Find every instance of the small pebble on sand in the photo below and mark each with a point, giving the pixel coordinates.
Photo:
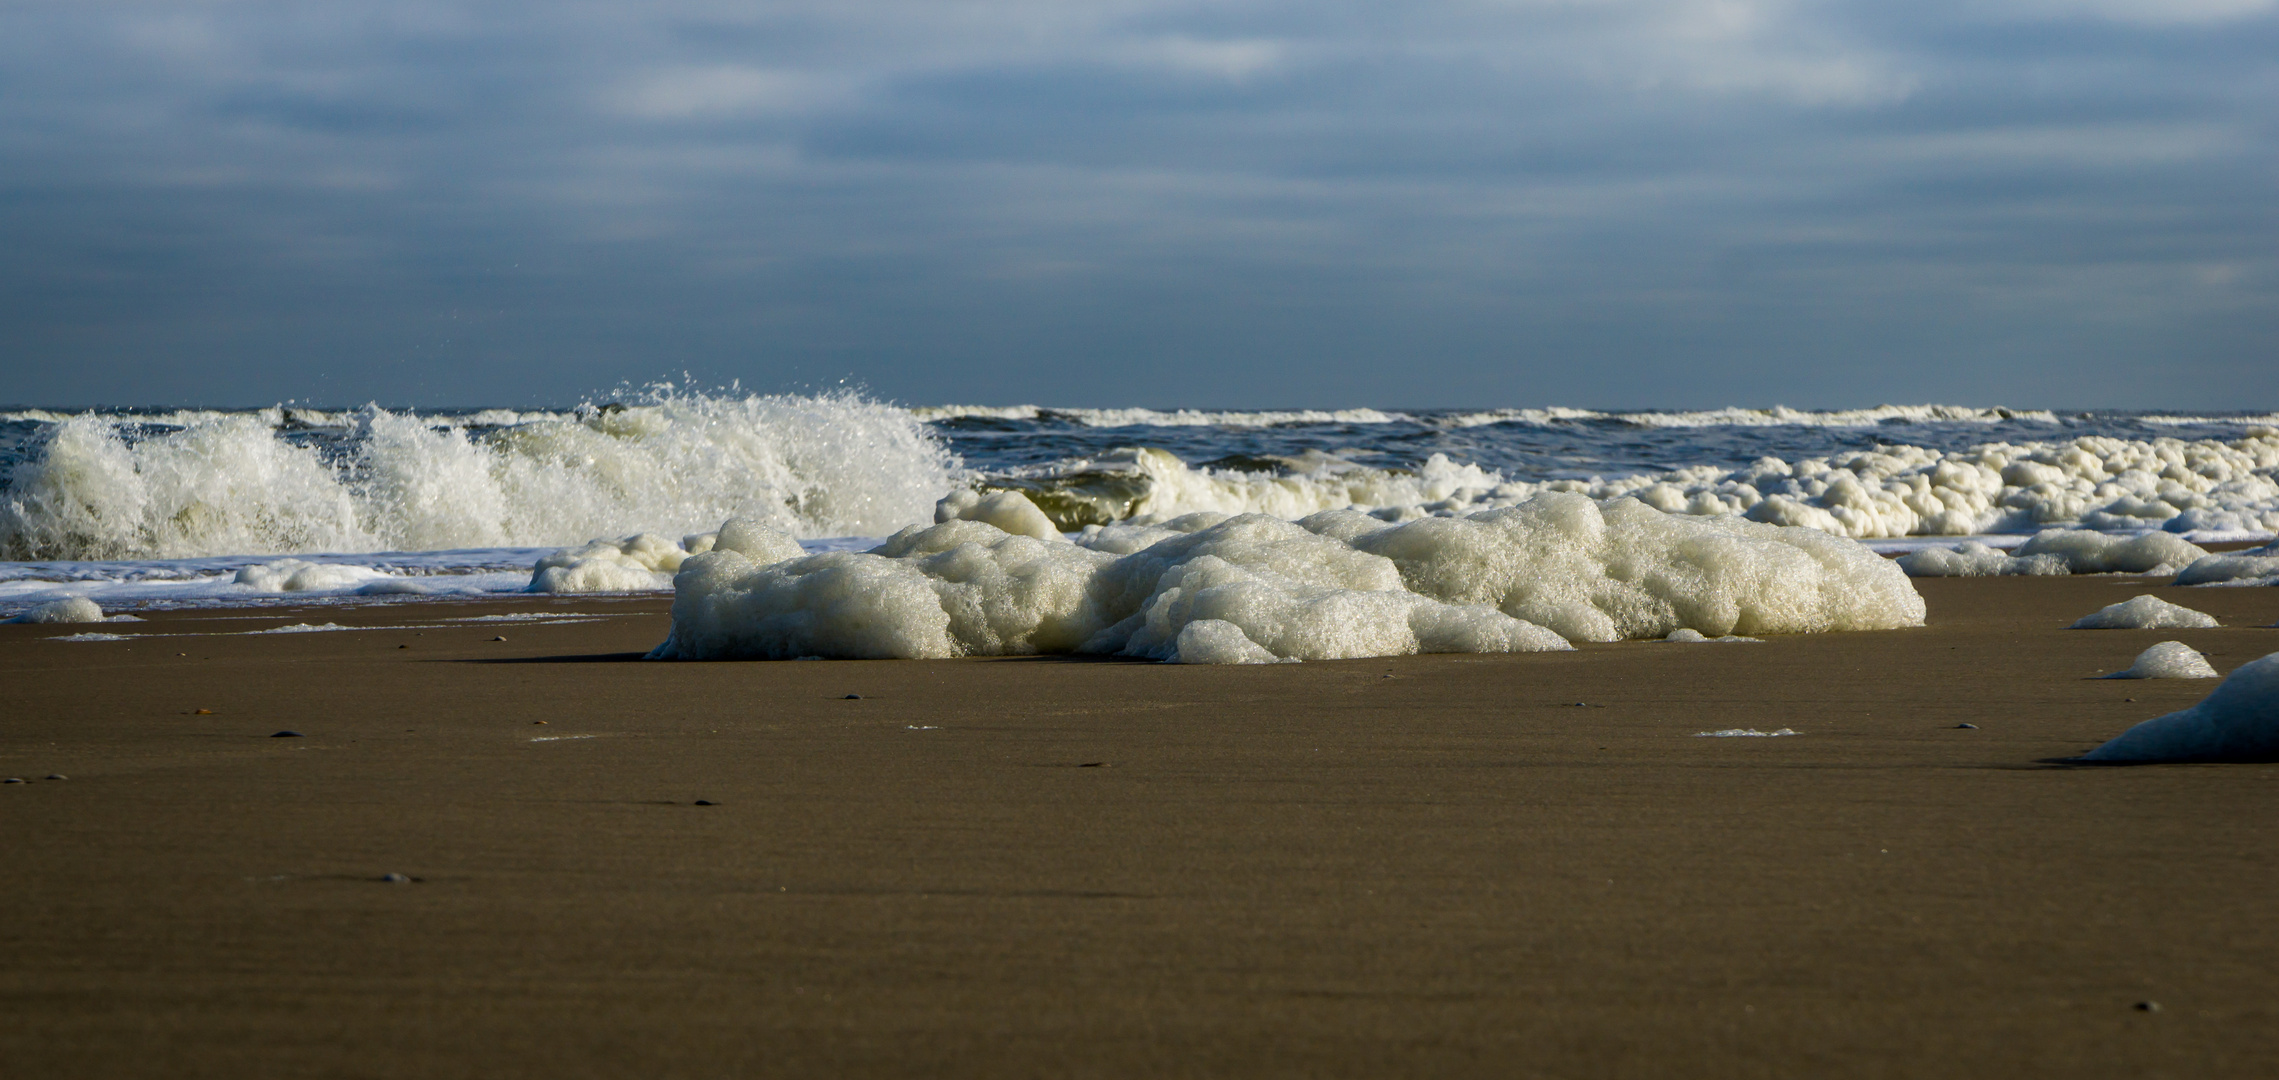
(396, 879)
(1967, 727)
(57, 776)
(286, 735)
(852, 697)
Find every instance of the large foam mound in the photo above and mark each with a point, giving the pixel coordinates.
(2238, 721)
(70, 609)
(1250, 588)
(2167, 660)
(1620, 569)
(1973, 559)
(2086, 551)
(2145, 613)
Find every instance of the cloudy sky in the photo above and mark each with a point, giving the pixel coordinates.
(1615, 203)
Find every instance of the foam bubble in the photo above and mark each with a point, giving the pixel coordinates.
(2146, 612)
(2238, 721)
(2167, 660)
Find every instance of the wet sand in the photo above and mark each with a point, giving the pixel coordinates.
(1424, 866)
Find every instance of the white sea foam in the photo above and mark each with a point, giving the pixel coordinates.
(1008, 510)
(2094, 482)
(70, 609)
(2089, 552)
(1974, 559)
(1745, 733)
(2238, 721)
(2058, 551)
(1777, 416)
(2146, 612)
(2259, 566)
(92, 636)
(297, 575)
(1338, 584)
(1686, 635)
(228, 483)
(2167, 660)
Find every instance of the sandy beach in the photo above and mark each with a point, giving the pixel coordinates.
(1523, 865)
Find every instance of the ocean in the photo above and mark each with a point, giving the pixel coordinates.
(193, 506)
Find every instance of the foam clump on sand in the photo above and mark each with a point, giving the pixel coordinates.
(1973, 559)
(1690, 636)
(643, 563)
(2238, 721)
(2058, 551)
(300, 575)
(2259, 566)
(2145, 613)
(2167, 660)
(2087, 551)
(1211, 588)
(70, 609)
(647, 562)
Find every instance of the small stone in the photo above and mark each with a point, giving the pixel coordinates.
(852, 697)
(2148, 1006)
(396, 879)
(201, 712)
(286, 735)
(403, 646)
(13, 780)
(57, 776)
(706, 802)
(1967, 727)
(499, 638)
(539, 722)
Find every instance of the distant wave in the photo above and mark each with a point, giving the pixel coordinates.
(1777, 416)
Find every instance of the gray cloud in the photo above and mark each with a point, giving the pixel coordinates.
(2038, 202)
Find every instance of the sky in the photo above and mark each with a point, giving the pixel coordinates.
(1617, 204)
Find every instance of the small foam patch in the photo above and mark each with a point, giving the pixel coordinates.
(2167, 660)
(2146, 612)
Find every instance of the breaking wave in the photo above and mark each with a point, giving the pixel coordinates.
(196, 483)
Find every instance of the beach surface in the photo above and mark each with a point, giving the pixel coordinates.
(1523, 865)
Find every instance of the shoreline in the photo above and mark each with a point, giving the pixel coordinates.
(1005, 866)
